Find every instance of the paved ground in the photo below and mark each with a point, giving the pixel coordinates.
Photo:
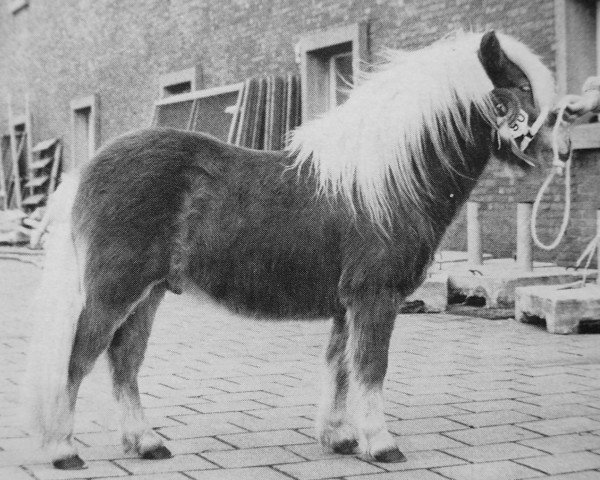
(235, 399)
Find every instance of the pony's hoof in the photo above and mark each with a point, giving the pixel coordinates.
(345, 447)
(159, 453)
(70, 463)
(390, 456)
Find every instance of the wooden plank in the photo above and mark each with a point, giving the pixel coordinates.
(15, 156)
(247, 127)
(8, 166)
(44, 145)
(243, 113)
(37, 181)
(297, 101)
(236, 116)
(269, 114)
(33, 200)
(192, 120)
(11, 187)
(57, 159)
(259, 115)
(41, 163)
(288, 104)
(278, 114)
(29, 133)
(294, 109)
(3, 191)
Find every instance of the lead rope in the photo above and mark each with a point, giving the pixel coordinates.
(558, 167)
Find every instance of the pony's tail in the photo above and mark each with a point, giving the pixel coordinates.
(56, 311)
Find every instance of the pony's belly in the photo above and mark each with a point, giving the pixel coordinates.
(293, 294)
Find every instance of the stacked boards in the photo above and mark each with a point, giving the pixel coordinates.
(267, 110)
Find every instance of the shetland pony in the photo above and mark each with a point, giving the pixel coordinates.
(343, 224)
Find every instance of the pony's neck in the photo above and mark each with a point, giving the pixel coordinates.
(452, 182)
(475, 157)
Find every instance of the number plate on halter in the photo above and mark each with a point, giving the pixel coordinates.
(520, 127)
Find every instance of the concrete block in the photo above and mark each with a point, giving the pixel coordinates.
(496, 280)
(562, 308)
(433, 293)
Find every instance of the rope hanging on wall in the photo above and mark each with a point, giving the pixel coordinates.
(558, 168)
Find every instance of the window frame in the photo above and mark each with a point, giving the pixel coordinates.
(178, 77)
(314, 60)
(194, 96)
(91, 102)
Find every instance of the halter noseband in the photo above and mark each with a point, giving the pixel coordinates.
(529, 131)
(511, 115)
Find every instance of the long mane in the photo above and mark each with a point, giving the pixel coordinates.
(371, 149)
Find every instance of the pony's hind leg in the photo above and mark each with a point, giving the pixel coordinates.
(97, 325)
(95, 329)
(334, 429)
(125, 354)
(371, 321)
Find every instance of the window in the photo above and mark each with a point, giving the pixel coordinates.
(177, 83)
(85, 129)
(329, 61)
(340, 77)
(209, 110)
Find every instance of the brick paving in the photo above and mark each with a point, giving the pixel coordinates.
(235, 398)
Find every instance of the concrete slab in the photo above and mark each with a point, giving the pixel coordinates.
(433, 293)
(562, 308)
(497, 279)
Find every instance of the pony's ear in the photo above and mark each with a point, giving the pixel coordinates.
(492, 57)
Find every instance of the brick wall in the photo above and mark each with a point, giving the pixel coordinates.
(61, 50)
(65, 49)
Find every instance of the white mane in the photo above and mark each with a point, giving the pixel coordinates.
(375, 139)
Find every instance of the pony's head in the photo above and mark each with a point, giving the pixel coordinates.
(522, 98)
(424, 119)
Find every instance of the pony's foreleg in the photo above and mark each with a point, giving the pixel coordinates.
(371, 321)
(334, 429)
(125, 354)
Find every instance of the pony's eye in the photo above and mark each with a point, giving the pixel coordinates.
(525, 88)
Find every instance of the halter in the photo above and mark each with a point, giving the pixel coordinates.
(521, 128)
(515, 122)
